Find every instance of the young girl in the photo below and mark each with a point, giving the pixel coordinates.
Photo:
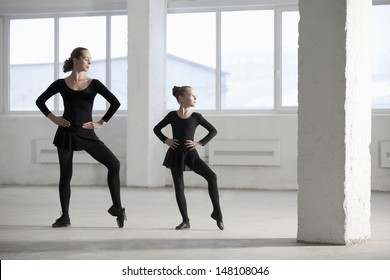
(182, 154)
(76, 130)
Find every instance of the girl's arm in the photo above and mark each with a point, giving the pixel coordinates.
(212, 131)
(173, 143)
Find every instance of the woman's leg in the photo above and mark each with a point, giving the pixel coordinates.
(65, 158)
(178, 182)
(66, 169)
(103, 154)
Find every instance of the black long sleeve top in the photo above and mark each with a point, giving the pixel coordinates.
(78, 105)
(183, 130)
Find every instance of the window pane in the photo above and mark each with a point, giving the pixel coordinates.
(247, 54)
(380, 57)
(191, 60)
(88, 32)
(290, 22)
(31, 61)
(119, 59)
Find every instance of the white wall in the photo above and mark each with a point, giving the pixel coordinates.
(18, 162)
(18, 135)
(266, 127)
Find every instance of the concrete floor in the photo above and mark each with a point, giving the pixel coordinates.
(258, 225)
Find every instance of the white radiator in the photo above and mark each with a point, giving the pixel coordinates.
(245, 152)
(46, 152)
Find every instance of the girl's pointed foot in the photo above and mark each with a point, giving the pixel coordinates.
(218, 218)
(62, 221)
(184, 225)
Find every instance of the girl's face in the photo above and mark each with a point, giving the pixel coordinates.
(188, 99)
(83, 63)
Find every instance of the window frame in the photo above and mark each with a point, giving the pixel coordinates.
(5, 100)
(279, 7)
(172, 7)
(380, 111)
(278, 10)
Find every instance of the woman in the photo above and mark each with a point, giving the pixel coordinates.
(182, 154)
(76, 130)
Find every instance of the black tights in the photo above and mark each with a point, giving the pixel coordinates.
(201, 168)
(102, 154)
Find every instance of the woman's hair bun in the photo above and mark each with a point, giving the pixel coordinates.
(176, 91)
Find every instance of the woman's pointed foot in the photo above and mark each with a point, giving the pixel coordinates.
(184, 225)
(218, 218)
(120, 214)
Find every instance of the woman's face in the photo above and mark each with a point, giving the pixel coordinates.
(83, 63)
(188, 99)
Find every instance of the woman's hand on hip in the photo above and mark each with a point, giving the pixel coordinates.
(191, 145)
(60, 121)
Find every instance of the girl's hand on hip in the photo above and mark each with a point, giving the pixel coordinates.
(172, 143)
(93, 125)
(191, 145)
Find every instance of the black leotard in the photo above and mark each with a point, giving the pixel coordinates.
(77, 110)
(183, 129)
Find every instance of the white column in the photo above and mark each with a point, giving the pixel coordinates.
(146, 86)
(334, 121)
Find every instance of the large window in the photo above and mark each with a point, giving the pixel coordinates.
(237, 60)
(290, 20)
(37, 56)
(228, 57)
(251, 46)
(31, 61)
(118, 77)
(247, 56)
(381, 57)
(191, 59)
(94, 39)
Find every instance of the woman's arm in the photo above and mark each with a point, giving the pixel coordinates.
(114, 102)
(41, 104)
(49, 92)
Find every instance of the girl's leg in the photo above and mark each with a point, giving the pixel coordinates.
(202, 169)
(178, 182)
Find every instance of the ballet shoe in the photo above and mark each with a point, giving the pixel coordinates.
(119, 213)
(219, 220)
(62, 221)
(184, 225)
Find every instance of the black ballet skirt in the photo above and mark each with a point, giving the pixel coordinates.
(77, 110)
(75, 138)
(180, 158)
